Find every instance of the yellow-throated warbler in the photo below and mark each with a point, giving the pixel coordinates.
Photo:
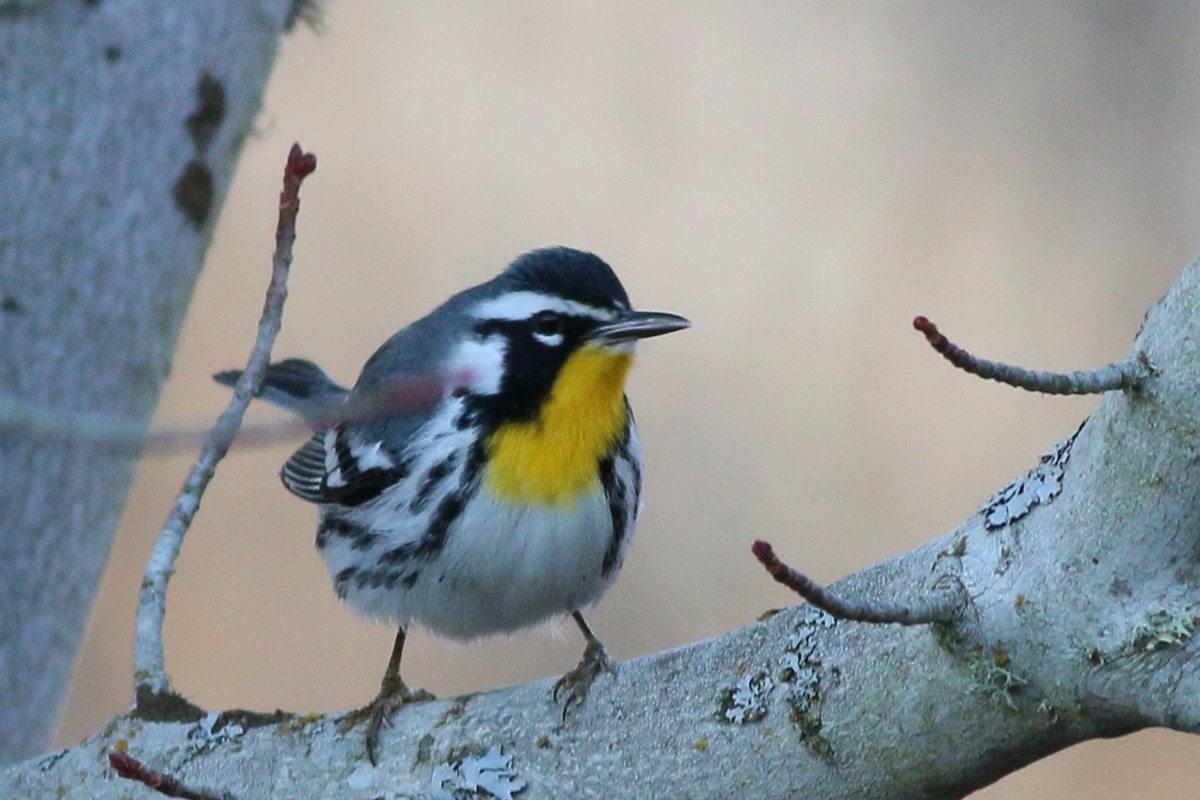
(511, 495)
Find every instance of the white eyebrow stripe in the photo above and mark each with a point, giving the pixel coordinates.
(523, 305)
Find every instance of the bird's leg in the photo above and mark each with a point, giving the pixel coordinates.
(393, 694)
(576, 683)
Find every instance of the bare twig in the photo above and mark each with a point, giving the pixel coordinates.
(53, 425)
(941, 606)
(130, 768)
(1128, 374)
(149, 666)
(121, 435)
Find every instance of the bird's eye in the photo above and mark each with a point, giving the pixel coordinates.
(548, 324)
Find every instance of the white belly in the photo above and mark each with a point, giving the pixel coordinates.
(500, 567)
(509, 567)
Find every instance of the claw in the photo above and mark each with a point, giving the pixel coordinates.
(576, 683)
(378, 711)
(393, 695)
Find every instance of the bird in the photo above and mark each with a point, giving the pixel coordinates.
(484, 473)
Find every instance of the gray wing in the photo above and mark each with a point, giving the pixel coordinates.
(415, 356)
(364, 455)
(330, 468)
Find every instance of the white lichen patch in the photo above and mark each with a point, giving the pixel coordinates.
(801, 646)
(798, 669)
(747, 701)
(212, 730)
(801, 672)
(799, 665)
(1162, 629)
(805, 688)
(1037, 487)
(489, 775)
(999, 683)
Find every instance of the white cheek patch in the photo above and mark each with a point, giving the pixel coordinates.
(477, 365)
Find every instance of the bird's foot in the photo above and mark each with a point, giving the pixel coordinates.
(574, 686)
(393, 695)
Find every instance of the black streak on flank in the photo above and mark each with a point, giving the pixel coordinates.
(617, 492)
(377, 579)
(341, 580)
(452, 505)
(447, 511)
(203, 123)
(434, 538)
(194, 192)
(359, 537)
(636, 474)
(614, 492)
(433, 478)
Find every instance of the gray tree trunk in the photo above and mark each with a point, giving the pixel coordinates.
(120, 126)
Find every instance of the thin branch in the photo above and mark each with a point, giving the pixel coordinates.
(121, 435)
(1128, 374)
(941, 606)
(149, 665)
(53, 425)
(130, 768)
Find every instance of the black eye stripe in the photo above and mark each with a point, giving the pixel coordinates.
(548, 323)
(544, 324)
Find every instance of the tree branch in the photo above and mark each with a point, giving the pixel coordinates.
(130, 768)
(940, 605)
(1081, 624)
(152, 681)
(1128, 374)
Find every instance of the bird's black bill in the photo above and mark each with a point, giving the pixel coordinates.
(637, 325)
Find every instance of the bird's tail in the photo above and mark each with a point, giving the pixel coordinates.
(298, 386)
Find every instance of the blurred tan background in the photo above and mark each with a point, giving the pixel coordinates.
(800, 179)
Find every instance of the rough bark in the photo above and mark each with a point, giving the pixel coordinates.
(120, 126)
(1084, 586)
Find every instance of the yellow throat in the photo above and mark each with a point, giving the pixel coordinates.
(552, 459)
